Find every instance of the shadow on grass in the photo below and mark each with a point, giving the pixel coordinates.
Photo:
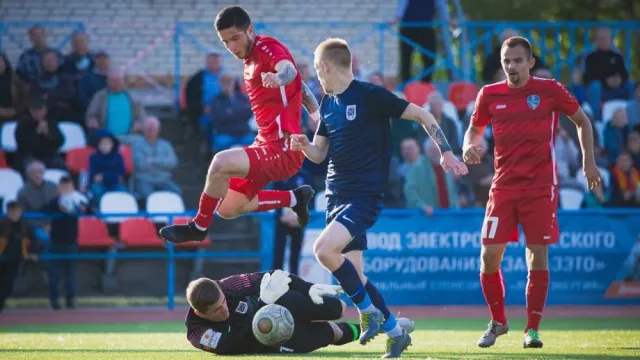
(539, 354)
(479, 325)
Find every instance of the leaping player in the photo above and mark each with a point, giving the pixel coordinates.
(236, 177)
(524, 113)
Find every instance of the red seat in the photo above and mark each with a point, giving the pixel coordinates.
(191, 244)
(3, 161)
(417, 92)
(462, 93)
(78, 159)
(92, 232)
(127, 155)
(139, 232)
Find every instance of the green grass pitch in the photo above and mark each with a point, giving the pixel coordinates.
(579, 338)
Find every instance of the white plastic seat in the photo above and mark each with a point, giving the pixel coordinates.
(571, 199)
(10, 183)
(164, 202)
(320, 201)
(118, 202)
(8, 138)
(74, 136)
(54, 175)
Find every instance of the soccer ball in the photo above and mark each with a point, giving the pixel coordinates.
(273, 325)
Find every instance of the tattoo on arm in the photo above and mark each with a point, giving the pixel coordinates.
(438, 136)
(309, 100)
(287, 74)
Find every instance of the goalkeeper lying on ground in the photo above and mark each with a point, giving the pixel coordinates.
(221, 313)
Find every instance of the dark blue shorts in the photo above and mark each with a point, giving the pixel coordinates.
(356, 214)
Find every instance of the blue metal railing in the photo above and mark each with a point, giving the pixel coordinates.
(479, 40)
(267, 233)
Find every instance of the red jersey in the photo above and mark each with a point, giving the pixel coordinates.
(524, 122)
(277, 110)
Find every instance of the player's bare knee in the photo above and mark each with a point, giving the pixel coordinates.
(324, 252)
(228, 214)
(537, 257)
(219, 165)
(490, 259)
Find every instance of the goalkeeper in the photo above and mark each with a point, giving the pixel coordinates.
(221, 313)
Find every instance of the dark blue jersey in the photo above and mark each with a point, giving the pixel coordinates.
(357, 123)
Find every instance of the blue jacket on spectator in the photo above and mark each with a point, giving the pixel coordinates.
(89, 85)
(615, 139)
(110, 165)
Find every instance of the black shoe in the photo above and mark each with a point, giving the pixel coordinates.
(182, 233)
(55, 306)
(70, 304)
(303, 195)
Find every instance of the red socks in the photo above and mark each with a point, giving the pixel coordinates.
(208, 206)
(493, 290)
(537, 287)
(274, 199)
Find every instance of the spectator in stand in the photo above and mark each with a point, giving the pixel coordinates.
(95, 80)
(567, 159)
(154, 160)
(633, 108)
(633, 145)
(481, 175)
(202, 87)
(543, 73)
(30, 62)
(615, 134)
(410, 154)
(64, 240)
(12, 92)
(605, 74)
(312, 83)
(230, 114)
(596, 198)
(393, 193)
(359, 71)
(625, 190)
(448, 125)
(492, 69)
(287, 226)
(58, 89)
(577, 88)
(79, 61)
(427, 186)
(38, 137)
(115, 109)
(34, 195)
(16, 237)
(416, 11)
(106, 167)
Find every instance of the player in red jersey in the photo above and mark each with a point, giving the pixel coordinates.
(236, 177)
(523, 111)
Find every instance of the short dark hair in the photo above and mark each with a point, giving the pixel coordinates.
(516, 41)
(13, 205)
(232, 16)
(65, 180)
(202, 294)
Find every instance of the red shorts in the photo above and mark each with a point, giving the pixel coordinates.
(273, 161)
(535, 209)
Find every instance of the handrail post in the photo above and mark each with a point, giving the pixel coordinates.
(171, 273)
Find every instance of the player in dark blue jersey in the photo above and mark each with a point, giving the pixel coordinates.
(355, 133)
